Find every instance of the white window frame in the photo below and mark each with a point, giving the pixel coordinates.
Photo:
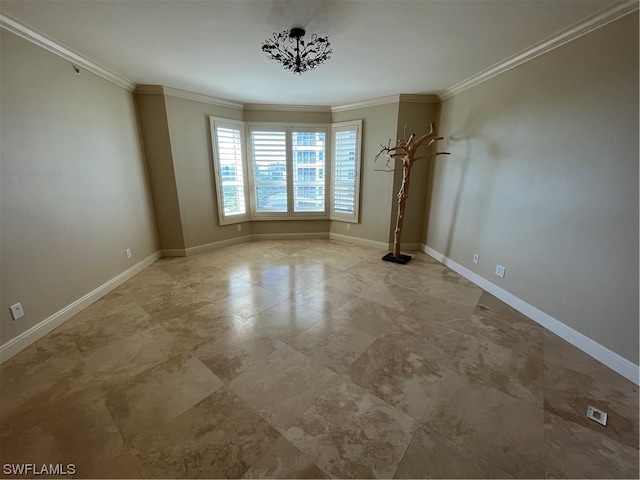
(324, 214)
(223, 218)
(344, 127)
(251, 214)
(288, 129)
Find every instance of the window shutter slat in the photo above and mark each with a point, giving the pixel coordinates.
(269, 154)
(308, 155)
(346, 163)
(230, 170)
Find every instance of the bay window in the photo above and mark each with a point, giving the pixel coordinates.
(286, 172)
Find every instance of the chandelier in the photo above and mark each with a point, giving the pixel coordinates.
(298, 56)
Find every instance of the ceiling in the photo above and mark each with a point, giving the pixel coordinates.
(380, 48)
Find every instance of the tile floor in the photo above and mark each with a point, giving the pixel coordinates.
(311, 359)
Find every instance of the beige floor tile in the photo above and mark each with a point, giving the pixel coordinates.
(203, 362)
(113, 302)
(370, 317)
(234, 353)
(568, 394)
(412, 274)
(204, 324)
(122, 466)
(284, 321)
(506, 431)
(133, 355)
(573, 451)
(495, 321)
(392, 295)
(432, 455)
(323, 299)
(251, 302)
(216, 284)
(290, 278)
(453, 291)
(339, 260)
(373, 268)
(75, 430)
(402, 369)
(101, 331)
(220, 437)
(348, 282)
(283, 386)
(437, 310)
(160, 394)
(175, 302)
(502, 368)
(350, 433)
(43, 373)
(333, 345)
(283, 460)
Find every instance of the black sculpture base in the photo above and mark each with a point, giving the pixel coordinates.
(402, 259)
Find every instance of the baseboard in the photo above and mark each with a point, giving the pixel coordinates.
(358, 241)
(215, 245)
(618, 364)
(39, 330)
(289, 236)
(187, 252)
(409, 247)
(173, 252)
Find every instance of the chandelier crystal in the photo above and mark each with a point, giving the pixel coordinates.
(296, 55)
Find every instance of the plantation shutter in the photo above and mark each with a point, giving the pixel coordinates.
(229, 168)
(308, 171)
(345, 171)
(269, 166)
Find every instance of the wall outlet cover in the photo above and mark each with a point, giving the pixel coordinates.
(16, 311)
(597, 415)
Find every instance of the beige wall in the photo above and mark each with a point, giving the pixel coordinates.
(74, 193)
(179, 154)
(152, 115)
(379, 124)
(290, 226)
(287, 117)
(190, 136)
(543, 179)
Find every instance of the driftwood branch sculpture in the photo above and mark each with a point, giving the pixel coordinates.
(406, 151)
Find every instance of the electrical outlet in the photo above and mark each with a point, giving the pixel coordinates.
(239, 226)
(16, 311)
(476, 258)
(597, 415)
(348, 226)
(500, 271)
(128, 252)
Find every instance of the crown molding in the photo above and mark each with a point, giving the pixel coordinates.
(402, 97)
(174, 92)
(31, 35)
(197, 97)
(367, 103)
(567, 35)
(286, 108)
(413, 98)
(149, 90)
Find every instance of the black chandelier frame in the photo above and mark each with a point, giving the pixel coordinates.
(294, 53)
